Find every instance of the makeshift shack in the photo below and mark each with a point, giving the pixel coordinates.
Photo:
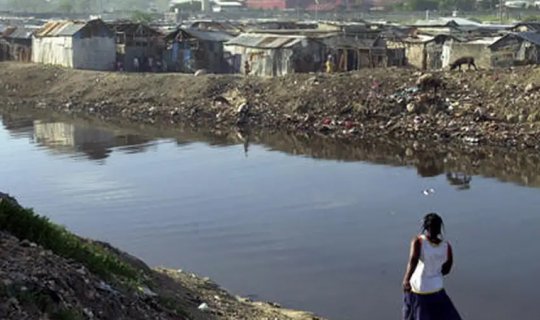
(351, 53)
(275, 55)
(454, 49)
(423, 52)
(189, 50)
(516, 49)
(75, 44)
(137, 42)
(16, 44)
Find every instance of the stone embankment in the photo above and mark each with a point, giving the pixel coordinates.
(491, 107)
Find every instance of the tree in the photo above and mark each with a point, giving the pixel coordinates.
(142, 17)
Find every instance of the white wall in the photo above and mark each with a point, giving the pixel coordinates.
(53, 50)
(96, 53)
(478, 50)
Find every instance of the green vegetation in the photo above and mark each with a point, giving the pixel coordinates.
(25, 224)
(142, 17)
(531, 18)
(67, 315)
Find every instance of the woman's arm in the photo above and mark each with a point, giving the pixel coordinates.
(414, 256)
(447, 266)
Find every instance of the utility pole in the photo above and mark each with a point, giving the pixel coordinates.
(501, 6)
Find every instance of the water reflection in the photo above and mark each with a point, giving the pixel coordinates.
(286, 228)
(96, 140)
(75, 138)
(460, 180)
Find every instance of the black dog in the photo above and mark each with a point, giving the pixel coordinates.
(469, 61)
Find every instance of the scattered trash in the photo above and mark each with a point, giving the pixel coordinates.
(147, 292)
(203, 307)
(428, 192)
(200, 72)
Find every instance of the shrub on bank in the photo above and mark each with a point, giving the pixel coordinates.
(25, 224)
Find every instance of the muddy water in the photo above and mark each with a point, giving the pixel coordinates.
(311, 224)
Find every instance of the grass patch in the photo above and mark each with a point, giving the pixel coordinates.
(67, 315)
(25, 224)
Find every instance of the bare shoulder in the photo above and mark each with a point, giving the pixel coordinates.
(415, 241)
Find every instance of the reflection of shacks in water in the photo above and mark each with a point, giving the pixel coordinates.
(458, 164)
(94, 142)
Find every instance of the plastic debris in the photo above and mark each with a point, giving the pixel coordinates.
(203, 307)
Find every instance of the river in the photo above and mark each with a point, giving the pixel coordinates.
(309, 223)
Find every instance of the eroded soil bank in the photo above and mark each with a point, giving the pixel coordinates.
(489, 107)
(41, 279)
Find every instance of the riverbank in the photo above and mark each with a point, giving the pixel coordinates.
(49, 273)
(430, 159)
(488, 107)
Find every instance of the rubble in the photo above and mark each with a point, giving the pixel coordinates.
(486, 107)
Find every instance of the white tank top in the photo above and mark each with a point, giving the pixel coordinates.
(428, 278)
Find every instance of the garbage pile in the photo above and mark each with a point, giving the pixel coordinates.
(496, 107)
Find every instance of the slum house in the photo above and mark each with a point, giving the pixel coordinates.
(75, 44)
(351, 53)
(396, 49)
(16, 44)
(275, 55)
(189, 50)
(422, 51)
(521, 48)
(454, 49)
(137, 43)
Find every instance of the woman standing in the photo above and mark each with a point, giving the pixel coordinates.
(429, 261)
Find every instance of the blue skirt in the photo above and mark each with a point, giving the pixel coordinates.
(434, 306)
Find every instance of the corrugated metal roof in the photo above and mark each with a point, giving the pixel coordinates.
(215, 36)
(348, 43)
(265, 41)
(60, 28)
(486, 41)
(531, 37)
(132, 28)
(18, 33)
(419, 39)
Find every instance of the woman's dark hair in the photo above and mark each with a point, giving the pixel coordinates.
(433, 224)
